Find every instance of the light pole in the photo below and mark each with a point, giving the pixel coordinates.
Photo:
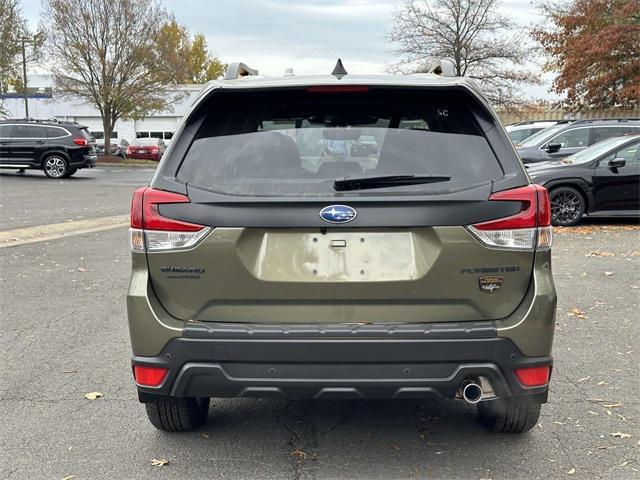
(34, 41)
(24, 78)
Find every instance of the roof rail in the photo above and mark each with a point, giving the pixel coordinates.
(41, 120)
(531, 122)
(443, 67)
(617, 119)
(238, 70)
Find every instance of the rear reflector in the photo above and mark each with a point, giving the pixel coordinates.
(528, 229)
(150, 231)
(533, 376)
(149, 376)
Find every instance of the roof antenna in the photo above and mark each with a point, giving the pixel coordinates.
(338, 70)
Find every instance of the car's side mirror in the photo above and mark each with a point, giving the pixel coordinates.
(553, 147)
(617, 163)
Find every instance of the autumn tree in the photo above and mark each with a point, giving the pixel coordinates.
(105, 53)
(188, 58)
(594, 47)
(482, 43)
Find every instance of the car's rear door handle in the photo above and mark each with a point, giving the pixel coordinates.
(40, 142)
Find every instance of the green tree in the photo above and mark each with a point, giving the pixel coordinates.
(13, 28)
(204, 66)
(188, 58)
(105, 53)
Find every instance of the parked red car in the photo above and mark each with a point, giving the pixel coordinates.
(146, 149)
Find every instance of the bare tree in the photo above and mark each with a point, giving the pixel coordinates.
(105, 52)
(481, 43)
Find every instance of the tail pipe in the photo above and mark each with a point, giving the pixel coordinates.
(471, 391)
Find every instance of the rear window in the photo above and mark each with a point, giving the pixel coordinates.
(86, 134)
(145, 141)
(296, 143)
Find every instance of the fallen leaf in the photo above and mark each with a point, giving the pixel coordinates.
(572, 471)
(584, 379)
(612, 405)
(159, 462)
(608, 274)
(576, 312)
(69, 477)
(598, 253)
(592, 412)
(299, 453)
(559, 423)
(602, 383)
(623, 464)
(80, 269)
(93, 395)
(620, 435)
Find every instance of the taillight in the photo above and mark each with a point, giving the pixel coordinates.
(128, 150)
(149, 376)
(529, 229)
(150, 231)
(155, 149)
(83, 142)
(533, 376)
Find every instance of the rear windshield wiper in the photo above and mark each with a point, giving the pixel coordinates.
(382, 181)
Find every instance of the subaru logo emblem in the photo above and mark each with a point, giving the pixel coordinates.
(338, 214)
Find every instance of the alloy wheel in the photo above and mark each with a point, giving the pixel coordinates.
(565, 207)
(55, 167)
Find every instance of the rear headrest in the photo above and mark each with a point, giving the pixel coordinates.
(267, 154)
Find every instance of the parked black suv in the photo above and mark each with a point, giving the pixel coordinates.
(562, 140)
(603, 180)
(59, 148)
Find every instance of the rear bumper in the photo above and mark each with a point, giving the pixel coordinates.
(84, 161)
(375, 361)
(144, 156)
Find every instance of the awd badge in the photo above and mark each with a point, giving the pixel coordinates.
(490, 283)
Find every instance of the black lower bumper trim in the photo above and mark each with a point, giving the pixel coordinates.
(347, 366)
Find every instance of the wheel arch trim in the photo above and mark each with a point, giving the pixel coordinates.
(577, 183)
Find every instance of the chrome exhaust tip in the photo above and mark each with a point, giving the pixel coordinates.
(471, 392)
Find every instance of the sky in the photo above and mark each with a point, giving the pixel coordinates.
(306, 35)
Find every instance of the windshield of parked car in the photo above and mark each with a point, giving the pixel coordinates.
(597, 150)
(538, 138)
(298, 143)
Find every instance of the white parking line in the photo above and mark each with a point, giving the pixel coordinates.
(41, 233)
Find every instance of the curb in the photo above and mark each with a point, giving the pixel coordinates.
(124, 165)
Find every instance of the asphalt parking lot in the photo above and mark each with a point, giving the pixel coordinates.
(64, 334)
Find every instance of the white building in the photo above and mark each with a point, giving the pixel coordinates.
(161, 124)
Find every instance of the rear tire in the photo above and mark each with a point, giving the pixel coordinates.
(509, 415)
(567, 206)
(55, 166)
(178, 415)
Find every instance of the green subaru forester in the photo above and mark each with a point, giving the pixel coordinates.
(275, 256)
